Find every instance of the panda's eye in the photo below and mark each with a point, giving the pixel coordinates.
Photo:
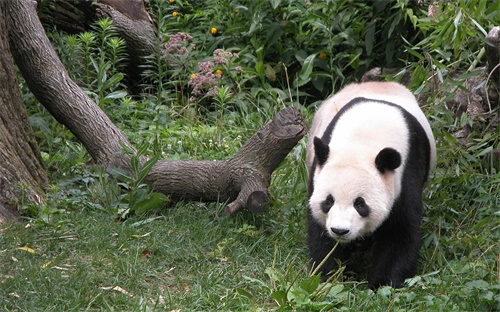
(359, 202)
(327, 204)
(361, 207)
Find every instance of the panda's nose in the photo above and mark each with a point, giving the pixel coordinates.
(339, 232)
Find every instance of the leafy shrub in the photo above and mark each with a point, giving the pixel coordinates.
(319, 46)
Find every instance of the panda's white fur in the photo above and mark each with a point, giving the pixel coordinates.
(350, 172)
(385, 91)
(378, 120)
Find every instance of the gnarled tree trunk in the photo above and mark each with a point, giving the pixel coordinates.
(130, 17)
(22, 176)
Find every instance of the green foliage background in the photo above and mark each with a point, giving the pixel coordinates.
(100, 244)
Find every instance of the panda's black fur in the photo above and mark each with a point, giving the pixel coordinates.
(395, 243)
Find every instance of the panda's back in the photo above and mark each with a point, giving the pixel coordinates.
(362, 129)
(370, 122)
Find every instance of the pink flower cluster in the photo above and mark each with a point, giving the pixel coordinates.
(431, 11)
(208, 79)
(177, 44)
(205, 79)
(222, 57)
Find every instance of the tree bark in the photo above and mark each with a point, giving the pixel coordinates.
(134, 25)
(243, 179)
(77, 16)
(49, 81)
(130, 17)
(492, 47)
(22, 175)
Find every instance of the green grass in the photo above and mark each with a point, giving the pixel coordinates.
(189, 257)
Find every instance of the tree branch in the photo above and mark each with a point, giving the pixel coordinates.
(49, 81)
(244, 179)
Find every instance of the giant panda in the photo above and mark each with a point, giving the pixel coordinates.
(369, 155)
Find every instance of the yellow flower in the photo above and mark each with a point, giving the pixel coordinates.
(213, 30)
(172, 1)
(193, 75)
(218, 72)
(175, 13)
(322, 56)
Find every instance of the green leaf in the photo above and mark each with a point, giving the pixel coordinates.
(270, 73)
(415, 53)
(479, 284)
(279, 296)
(395, 22)
(310, 284)
(307, 67)
(127, 149)
(134, 163)
(487, 150)
(120, 174)
(146, 168)
(274, 274)
(370, 38)
(257, 281)
(146, 221)
(305, 73)
(244, 293)
(301, 55)
(142, 149)
(113, 81)
(479, 27)
(274, 33)
(335, 290)
(259, 69)
(116, 95)
(456, 23)
(275, 3)
(143, 201)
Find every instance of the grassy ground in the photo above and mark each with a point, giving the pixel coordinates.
(187, 258)
(191, 257)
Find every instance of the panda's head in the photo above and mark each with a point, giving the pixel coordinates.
(353, 200)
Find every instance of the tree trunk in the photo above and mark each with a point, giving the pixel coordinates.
(492, 47)
(22, 176)
(243, 179)
(134, 25)
(130, 17)
(77, 16)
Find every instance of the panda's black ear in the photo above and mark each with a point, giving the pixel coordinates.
(387, 159)
(321, 150)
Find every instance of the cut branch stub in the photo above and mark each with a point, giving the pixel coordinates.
(244, 179)
(262, 153)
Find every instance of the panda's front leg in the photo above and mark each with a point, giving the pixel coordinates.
(395, 253)
(320, 245)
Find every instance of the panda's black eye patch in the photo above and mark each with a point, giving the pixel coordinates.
(361, 207)
(327, 204)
